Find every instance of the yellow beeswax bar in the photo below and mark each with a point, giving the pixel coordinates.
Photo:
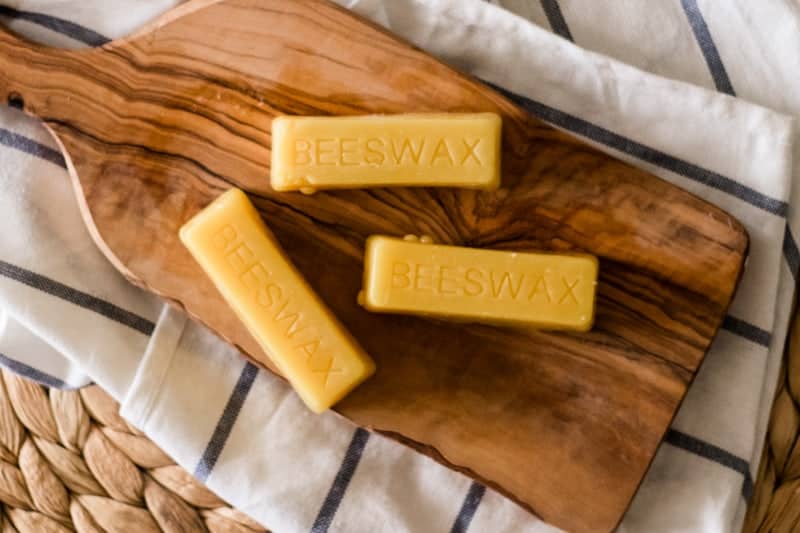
(290, 322)
(542, 290)
(433, 150)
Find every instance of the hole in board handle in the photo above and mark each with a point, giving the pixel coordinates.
(16, 101)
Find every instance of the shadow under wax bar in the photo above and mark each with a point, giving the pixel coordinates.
(543, 290)
(419, 150)
(282, 312)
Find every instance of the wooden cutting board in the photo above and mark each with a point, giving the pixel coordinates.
(157, 125)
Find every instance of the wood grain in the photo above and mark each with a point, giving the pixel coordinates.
(157, 125)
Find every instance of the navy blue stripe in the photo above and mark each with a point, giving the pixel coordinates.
(747, 486)
(647, 154)
(471, 502)
(556, 18)
(56, 24)
(74, 296)
(348, 467)
(713, 453)
(225, 424)
(707, 46)
(791, 252)
(18, 367)
(29, 146)
(747, 330)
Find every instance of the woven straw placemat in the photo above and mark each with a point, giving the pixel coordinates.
(775, 506)
(69, 462)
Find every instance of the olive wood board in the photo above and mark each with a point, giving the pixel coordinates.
(157, 125)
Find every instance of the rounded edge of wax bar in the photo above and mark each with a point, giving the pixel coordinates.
(188, 227)
(277, 131)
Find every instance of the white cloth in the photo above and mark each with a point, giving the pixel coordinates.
(246, 434)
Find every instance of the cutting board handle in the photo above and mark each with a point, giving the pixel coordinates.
(29, 71)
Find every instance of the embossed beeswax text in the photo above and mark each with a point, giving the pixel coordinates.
(550, 287)
(380, 152)
(274, 298)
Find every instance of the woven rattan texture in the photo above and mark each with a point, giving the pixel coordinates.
(775, 506)
(68, 462)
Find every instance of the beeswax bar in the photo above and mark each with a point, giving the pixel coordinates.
(305, 341)
(542, 290)
(435, 150)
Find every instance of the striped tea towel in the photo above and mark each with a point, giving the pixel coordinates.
(69, 318)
